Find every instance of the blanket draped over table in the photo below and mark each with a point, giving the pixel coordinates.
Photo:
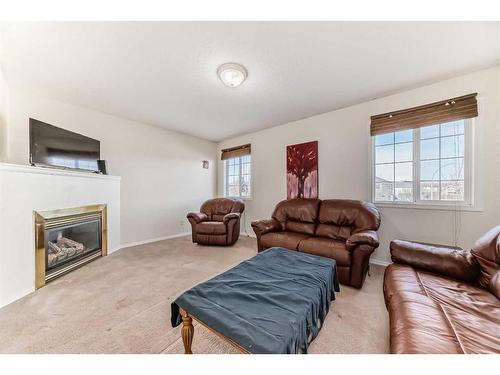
(274, 302)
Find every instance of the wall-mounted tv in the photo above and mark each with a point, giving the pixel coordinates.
(56, 147)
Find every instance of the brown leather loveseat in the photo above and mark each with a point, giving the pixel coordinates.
(218, 222)
(344, 230)
(444, 299)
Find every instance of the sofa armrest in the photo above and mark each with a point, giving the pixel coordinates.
(365, 237)
(448, 261)
(230, 216)
(197, 217)
(261, 227)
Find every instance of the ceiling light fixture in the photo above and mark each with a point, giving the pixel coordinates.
(232, 74)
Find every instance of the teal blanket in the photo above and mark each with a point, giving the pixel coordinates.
(274, 302)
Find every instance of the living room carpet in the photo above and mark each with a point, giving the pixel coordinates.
(121, 304)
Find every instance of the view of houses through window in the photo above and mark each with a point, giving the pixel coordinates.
(237, 173)
(437, 153)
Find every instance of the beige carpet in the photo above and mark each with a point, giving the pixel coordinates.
(121, 304)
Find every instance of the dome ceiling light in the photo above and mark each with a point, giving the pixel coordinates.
(232, 74)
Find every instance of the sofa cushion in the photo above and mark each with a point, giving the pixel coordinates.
(297, 215)
(327, 248)
(211, 227)
(339, 218)
(486, 250)
(288, 240)
(435, 314)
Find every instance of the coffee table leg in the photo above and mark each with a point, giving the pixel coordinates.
(187, 331)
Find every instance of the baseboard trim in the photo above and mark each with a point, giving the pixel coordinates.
(137, 243)
(379, 262)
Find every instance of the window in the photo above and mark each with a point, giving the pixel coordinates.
(426, 165)
(237, 176)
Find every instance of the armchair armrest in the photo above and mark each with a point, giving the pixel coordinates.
(261, 227)
(446, 260)
(230, 216)
(365, 237)
(198, 217)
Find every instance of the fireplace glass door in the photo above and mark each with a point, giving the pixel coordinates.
(67, 243)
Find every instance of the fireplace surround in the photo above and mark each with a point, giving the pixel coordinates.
(66, 239)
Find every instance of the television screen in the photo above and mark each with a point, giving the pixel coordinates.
(53, 146)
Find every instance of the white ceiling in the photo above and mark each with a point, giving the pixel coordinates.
(164, 73)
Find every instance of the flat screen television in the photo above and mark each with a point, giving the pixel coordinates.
(56, 147)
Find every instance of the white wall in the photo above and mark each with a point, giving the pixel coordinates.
(4, 111)
(344, 162)
(162, 174)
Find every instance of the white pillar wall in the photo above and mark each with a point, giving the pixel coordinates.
(24, 189)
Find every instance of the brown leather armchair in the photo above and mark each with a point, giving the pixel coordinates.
(342, 229)
(218, 222)
(444, 299)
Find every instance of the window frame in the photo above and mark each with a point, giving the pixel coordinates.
(470, 199)
(226, 177)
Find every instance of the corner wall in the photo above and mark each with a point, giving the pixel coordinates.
(345, 162)
(161, 170)
(4, 113)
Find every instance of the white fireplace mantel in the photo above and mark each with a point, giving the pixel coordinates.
(24, 189)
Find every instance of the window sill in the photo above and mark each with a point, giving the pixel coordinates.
(434, 207)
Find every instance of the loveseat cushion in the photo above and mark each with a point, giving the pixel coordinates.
(327, 248)
(297, 215)
(486, 250)
(436, 314)
(211, 227)
(494, 285)
(288, 240)
(340, 218)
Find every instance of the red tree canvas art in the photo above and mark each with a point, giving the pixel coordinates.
(302, 170)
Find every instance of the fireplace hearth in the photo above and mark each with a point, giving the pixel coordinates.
(66, 239)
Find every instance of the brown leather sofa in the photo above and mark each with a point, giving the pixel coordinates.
(344, 230)
(444, 299)
(218, 222)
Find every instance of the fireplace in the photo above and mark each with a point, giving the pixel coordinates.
(66, 239)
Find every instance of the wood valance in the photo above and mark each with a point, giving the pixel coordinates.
(459, 108)
(235, 152)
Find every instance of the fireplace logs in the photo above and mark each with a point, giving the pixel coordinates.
(62, 249)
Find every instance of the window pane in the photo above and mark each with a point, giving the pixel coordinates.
(452, 128)
(429, 190)
(384, 139)
(429, 170)
(404, 136)
(384, 154)
(429, 149)
(452, 147)
(231, 170)
(233, 191)
(452, 190)
(452, 169)
(403, 188)
(245, 169)
(404, 172)
(385, 172)
(403, 191)
(245, 186)
(404, 152)
(384, 190)
(429, 132)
